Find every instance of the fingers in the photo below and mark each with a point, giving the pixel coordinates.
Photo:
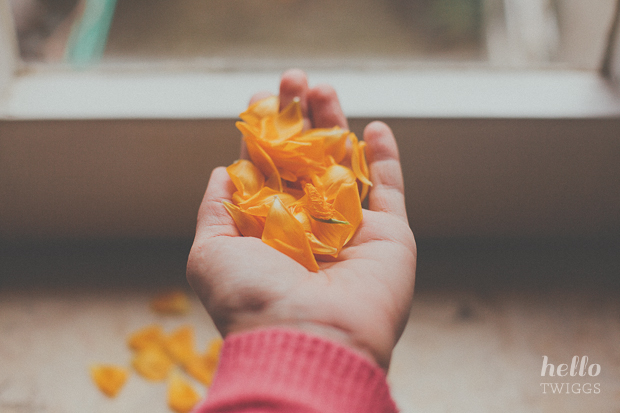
(388, 192)
(324, 108)
(213, 219)
(294, 84)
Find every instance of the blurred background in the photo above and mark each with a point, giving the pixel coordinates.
(516, 212)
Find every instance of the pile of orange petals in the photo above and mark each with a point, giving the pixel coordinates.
(301, 192)
(155, 354)
(158, 356)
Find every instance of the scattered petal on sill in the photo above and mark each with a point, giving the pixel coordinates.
(152, 363)
(181, 395)
(180, 344)
(173, 303)
(109, 378)
(147, 336)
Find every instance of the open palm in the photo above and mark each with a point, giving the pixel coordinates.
(361, 299)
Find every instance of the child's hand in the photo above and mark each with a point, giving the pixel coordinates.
(361, 299)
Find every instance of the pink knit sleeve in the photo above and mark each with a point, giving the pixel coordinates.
(277, 370)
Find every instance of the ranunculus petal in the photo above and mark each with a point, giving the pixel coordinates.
(286, 234)
(290, 121)
(334, 176)
(181, 395)
(246, 177)
(261, 109)
(347, 203)
(110, 379)
(260, 203)
(248, 224)
(263, 161)
(358, 160)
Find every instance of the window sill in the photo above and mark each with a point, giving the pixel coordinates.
(424, 93)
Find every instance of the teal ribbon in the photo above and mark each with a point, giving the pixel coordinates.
(90, 33)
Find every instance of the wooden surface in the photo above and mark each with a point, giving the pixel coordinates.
(470, 346)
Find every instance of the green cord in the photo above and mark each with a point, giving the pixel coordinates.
(90, 33)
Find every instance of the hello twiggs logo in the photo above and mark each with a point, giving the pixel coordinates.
(578, 368)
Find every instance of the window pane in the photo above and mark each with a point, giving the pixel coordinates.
(251, 33)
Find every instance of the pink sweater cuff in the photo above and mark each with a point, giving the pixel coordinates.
(279, 370)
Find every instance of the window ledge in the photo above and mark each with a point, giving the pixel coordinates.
(445, 93)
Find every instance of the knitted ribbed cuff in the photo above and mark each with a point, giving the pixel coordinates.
(291, 371)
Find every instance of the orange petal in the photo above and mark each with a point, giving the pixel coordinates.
(260, 203)
(152, 363)
(284, 233)
(203, 367)
(316, 204)
(247, 178)
(263, 161)
(333, 235)
(335, 176)
(147, 336)
(180, 344)
(333, 141)
(109, 379)
(347, 203)
(358, 160)
(173, 302)
(248, 224)
(200, 371)
(261, 109)
(290, 121)
(181, 395)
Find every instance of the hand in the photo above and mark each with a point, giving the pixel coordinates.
(361, 298)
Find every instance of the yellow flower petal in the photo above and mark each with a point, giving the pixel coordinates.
(173, 302)
(180, 344)
(147, 336)
(202, 367)
(334, 235)
(261, 202)
(358, 160)
(246, 177)
(263, 162)
(335, 176)
(181, 395)
(286, 234)
(333, 142)
(316, 204)
(248, 224)
(261, 109)
(290, 121)
(347, 203)
(109, 379)
(152, 363)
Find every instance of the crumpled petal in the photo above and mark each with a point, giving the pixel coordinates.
(171, 303)
(152, 363)
(347, 203)
(246, 177)
(110, 379)
(286, 234)
(335, 176)
(261, 109)
(146, 336)
(180, 344)
(181, 395)
(358, 163)
(249, 225)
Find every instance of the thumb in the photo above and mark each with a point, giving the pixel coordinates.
(388, 191)
(213, 218)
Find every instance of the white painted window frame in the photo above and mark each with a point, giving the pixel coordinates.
(414, 92)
